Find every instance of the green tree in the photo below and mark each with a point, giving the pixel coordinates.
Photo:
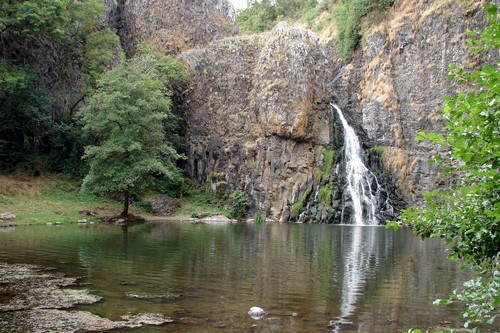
(129, 117)
(466, 214)
(258, 17)
(46, 44)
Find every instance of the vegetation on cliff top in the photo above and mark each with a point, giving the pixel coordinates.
(346, 16)
(466, 214)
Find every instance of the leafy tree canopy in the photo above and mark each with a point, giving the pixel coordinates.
(466, 215)
(45, 44)
(129, 118)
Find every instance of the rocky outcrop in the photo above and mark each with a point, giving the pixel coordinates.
(171, 25)
(258, 116)
(36, 300)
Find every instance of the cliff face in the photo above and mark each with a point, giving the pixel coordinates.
(395, 86)
(171, 25)
(257, 107)
(259, 115)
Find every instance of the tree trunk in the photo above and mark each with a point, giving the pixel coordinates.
(125, 203)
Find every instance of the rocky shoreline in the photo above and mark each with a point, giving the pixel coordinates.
(37, 299)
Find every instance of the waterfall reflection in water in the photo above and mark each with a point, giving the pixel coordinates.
(207, 277)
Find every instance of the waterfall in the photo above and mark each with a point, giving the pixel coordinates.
(358, 177)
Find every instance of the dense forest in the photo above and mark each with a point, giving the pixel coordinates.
(58, 56)
(52, 53)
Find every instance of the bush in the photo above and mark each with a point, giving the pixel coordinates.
(239, 204)
(348, 17)
(258, 218)
(259, 17)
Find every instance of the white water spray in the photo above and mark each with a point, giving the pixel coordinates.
(359, 177)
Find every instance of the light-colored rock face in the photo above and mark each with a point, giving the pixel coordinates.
(174, 25)
(285, 92)
(258, 115)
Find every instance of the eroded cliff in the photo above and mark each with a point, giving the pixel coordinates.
(259, 115)
(171, 25)
(259, 118)
(395, 86)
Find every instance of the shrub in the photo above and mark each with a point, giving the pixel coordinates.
(258, 218)
(239, 204)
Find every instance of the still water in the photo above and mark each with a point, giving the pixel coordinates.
(207, 276)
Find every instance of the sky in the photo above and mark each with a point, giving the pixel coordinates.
(239, 4)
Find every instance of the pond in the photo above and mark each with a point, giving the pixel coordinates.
(206, 277)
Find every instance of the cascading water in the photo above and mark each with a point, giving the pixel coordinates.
(359, 178)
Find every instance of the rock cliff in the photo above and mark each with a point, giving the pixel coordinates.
(259, 115)
(257, 108)
(171, 25)
(259, 118)
(395, 86)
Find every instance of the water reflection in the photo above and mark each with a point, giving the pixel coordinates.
(356, 263)
(207, 277)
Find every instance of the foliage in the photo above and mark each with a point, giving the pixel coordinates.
(42, 45)
(174, 186)
(328, 162)
(325, 195)
(348, 19)
(258, 17)
(239, 204)
(129, 117)
(263, 15)
(481, 296)
(467, 213)
(297, 207)
(348, 15)
(199, 200)
(258, 218)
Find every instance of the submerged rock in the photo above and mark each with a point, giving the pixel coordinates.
(54, 320)
(257, 313)
(32, 287)
(164, 296)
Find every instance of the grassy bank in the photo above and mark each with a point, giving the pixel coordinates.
(54, 198)
(51, 199)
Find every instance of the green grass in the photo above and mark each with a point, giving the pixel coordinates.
(328, 162)
(202, 202)
(52, 199)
